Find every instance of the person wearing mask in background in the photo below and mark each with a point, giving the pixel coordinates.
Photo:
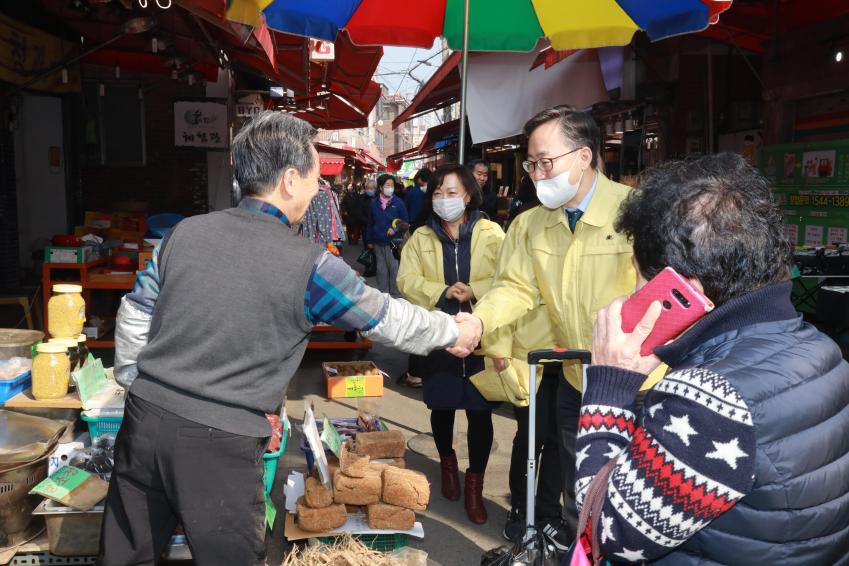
(569, 256)
(415, 197)
(196, 420)
(445, 266)
(525, 199)
(480, 170)
(368, 194)
(385, 212)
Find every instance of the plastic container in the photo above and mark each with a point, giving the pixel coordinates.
(71, 532)
(270, 460)
(381, 543)
(66, 311)
(98, 426)
(11, 387)
(18, 343)
(51, 372)
(160, 224)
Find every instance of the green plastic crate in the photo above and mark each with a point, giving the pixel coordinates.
(381, 543)
(270, 460)
(98, 426)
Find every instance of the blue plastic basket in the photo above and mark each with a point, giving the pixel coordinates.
(160, 224)
(98, 426)
(270, 460)
(10, 388)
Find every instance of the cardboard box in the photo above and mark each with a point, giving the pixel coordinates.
(350, 379)
(144, 257)
(80, 254)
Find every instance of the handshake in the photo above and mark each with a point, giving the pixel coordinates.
(471, 329)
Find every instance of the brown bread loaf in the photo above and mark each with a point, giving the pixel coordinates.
(317, 495)
(381, 444)
(320, 520)
(405, 488)
(385, 516)
(356, 491)
(351, 463)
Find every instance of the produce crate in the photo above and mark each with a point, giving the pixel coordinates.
(11, 387)
(98, 426)
(354, 379)
(381, 543)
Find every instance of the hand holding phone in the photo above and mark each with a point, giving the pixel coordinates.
(682, 306)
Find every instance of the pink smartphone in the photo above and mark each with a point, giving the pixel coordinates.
(682, 306)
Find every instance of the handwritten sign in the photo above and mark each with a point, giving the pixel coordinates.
(330, 436)
(73, 487)
(355, 386)
(270, 512)
(201, 124)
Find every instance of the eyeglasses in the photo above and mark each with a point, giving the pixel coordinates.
(545, 164)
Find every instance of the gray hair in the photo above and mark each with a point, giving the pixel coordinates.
(268, 145)
(371, 183)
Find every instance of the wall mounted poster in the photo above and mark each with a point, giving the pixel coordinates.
(201, 123)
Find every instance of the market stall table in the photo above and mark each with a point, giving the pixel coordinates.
(25, 400)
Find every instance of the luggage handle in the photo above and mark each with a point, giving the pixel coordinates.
(559, 354)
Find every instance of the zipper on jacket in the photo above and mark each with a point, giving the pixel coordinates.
(457, 269)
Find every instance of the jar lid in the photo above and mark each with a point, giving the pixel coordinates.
(82, 338)
(66, 342)
(66, 288)
(51, 348)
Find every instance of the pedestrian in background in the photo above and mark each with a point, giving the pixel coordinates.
(384, 231)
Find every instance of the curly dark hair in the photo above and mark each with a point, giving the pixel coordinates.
(712, 218)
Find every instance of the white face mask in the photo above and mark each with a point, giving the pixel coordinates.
(388, 191)
(555, 192)
(449, 209)
(423, 188)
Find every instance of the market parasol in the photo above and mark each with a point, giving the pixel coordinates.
(483, 25)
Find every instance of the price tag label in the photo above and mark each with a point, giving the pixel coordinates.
(355, 386)
(330, 436)
(62, 483)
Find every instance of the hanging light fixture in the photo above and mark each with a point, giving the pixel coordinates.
(608, 128)
(64, 75)
(174, 74)
(154, 44)
(618, 127)
(101, 89)
(117, 71)
(629, 123)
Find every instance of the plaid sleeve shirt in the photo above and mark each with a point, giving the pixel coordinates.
(335, 294)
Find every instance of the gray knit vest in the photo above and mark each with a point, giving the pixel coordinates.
(229, 328)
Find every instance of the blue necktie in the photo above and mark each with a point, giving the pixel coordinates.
(573, 216)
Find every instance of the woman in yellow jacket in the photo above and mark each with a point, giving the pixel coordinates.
(447, 264)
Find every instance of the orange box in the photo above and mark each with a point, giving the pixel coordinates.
(144, 257)
(350, 379)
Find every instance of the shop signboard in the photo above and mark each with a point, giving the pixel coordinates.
(201, 123)
(782, 164)
(826, 164)
(322, 51)
(26, 51)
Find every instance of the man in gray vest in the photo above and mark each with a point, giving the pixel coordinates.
(207, 342)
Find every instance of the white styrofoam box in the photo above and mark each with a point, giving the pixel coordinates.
(65, 451)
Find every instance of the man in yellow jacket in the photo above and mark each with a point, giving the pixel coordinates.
(569, 257)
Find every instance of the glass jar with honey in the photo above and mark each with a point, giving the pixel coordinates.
(51, 371)
(66, 311)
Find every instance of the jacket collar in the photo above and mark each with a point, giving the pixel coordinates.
(767, 304)
(603, 204)
(466, 229)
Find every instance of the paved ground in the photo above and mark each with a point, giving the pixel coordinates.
(450, 538)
